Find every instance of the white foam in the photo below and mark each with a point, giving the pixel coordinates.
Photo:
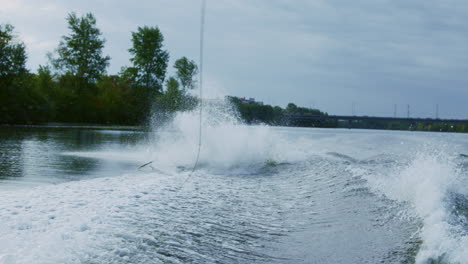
(72, 222)
(425, 184)
(226, 142)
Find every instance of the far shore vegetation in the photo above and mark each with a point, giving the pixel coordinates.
(74, 87)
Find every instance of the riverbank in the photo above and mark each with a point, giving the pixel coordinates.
(79, 126)
(339, 125)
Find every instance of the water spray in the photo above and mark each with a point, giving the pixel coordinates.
(197, 159)
(202, 36)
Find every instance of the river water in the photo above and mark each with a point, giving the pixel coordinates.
(259, 195)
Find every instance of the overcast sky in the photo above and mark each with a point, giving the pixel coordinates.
(328, 54)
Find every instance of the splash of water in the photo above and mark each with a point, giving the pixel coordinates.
(227, 142)
(428, 184)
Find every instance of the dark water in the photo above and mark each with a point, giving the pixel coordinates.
(34, 156)
(260, 195)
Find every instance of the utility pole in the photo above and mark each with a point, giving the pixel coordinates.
(437, 111)
(408, 108)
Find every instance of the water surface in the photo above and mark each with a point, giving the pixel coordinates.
(30, 156)
(260, 195)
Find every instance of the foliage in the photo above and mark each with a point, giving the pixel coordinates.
(171, 100)
(148, 58)
(13, 76)
(80, 64)
(80, 53)
(186, 71)
(79, 91)
(114, 101)
(12, 58)
(12, 55)
(175, 99)
(291, 108)
(259, 113)
(149, 68)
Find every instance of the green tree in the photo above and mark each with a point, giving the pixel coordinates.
(12, 56)
(291, 108)
(129, 74)
(186, 71)
(81, 52)
(113, 101)
(13, 76)
(172, 99)
(278, 114)
(81, 63)
(45, 87)
(45, 82)
(149, 58)
(45, 77)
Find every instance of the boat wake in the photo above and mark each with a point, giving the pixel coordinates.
(433, 188)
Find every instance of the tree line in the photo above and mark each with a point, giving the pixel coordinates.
(252, 113)
(75, 87)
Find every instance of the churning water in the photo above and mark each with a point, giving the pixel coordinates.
(260, 195)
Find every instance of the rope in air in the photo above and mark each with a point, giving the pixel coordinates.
(197, 159)
(202, 37)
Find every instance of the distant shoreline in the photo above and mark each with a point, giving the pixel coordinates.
(76, 125)
(142, 128)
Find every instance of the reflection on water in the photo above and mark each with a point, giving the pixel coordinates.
(33, 156)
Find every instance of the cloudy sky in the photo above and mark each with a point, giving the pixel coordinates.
(328, 54)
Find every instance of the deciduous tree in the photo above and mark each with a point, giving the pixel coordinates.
(12, 56)
(13, 76)
(186, 71)
(81, 52)
(149, 58)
